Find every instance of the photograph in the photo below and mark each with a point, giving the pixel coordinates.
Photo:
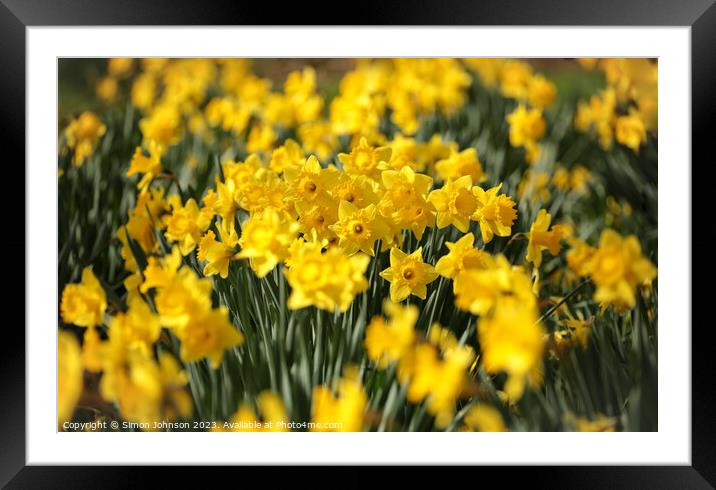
(357, 245)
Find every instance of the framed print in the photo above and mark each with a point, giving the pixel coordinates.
(359, 245)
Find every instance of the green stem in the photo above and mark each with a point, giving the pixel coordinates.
(318, 355)
(564, 300)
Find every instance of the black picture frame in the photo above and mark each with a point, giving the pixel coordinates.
(700, 15)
